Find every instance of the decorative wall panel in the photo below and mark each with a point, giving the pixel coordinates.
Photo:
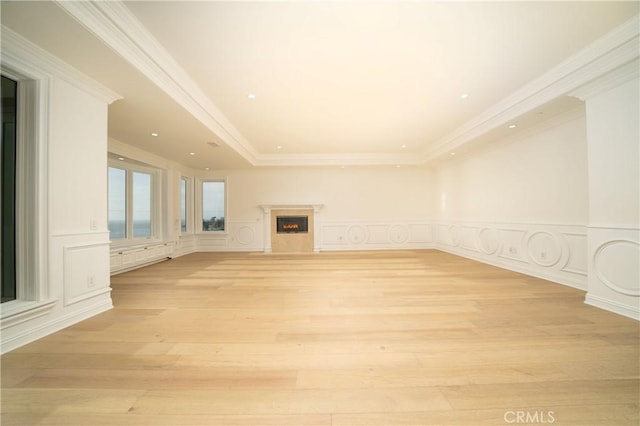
(357, 234)
(126, 258)
(489, 240)
(615, 263)
(376, 235)
(240, 236)
(544, 248)
(84, 278)
(553, 252)
(614, 270)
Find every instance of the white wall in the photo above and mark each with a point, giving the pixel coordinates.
(66, 262)
(77, 149)
(363, 207)
(538, 175)
(614, 197)
(352, 193)
(521, 202)
(614, 176)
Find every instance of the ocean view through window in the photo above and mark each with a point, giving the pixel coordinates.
(141, 204)
(117, 203)
(131, 203)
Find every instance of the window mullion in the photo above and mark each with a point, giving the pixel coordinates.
(129, 206)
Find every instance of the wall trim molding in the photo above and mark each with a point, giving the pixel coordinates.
(608, 81)
(18, 50)
(611, 51)
(32, 334)
(613, 306)
(556, 253)
(114, 24)
(117, 26)
(24, 312)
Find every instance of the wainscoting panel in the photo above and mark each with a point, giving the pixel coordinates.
(76, 286)
(187, 243)
(554, 252)
(577, 244)
(375, 235)
(240, 236)
(614, 274)
(127, 258)
(83, 278)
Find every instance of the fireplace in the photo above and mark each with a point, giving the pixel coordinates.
(292, 224)
(290, 228)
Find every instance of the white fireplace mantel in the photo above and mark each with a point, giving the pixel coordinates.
(267, 208)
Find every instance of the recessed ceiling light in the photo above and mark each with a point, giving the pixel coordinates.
(453, 153)
(279, 147)
(403, 146)
(206, 168)
(398, 166)
(251, 96)
(512, 126)
(154, 134)
(192, 153)
(464, 96)
(121, 158)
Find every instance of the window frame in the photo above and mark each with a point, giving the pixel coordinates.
(130, 168)
(189, 206)
(199, 206)
(32, 191)
(10, 240)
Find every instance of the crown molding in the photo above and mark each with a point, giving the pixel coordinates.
(367, 159)
(19, 52)
(114, 24)
(613, 50)
(627, 72)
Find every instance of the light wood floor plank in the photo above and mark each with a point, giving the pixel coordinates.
(351, 338)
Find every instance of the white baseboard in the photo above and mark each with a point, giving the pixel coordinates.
(612, 306)
(578, 284)
(11, 342)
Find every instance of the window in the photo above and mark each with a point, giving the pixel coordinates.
(131, 203)
(141, 204)
(184, 184)
(117, 203)
(24, 187)
(8, 188)
(213, 206)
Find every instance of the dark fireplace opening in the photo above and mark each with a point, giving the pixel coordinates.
(292, 224)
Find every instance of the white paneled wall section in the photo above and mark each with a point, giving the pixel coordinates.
(66, 263)
(553, 252)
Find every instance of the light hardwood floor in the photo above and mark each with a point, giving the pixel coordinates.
(354, 338)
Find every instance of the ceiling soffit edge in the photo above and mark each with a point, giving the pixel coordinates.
(382, 159)
(115, 25)
(613, 50)
(627, 72)
(20, 52)
(118, 28)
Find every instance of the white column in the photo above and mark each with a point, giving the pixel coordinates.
(316, 228)
(266, 225)
(613, 139)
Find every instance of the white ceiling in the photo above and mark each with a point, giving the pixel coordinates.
(334, 82)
